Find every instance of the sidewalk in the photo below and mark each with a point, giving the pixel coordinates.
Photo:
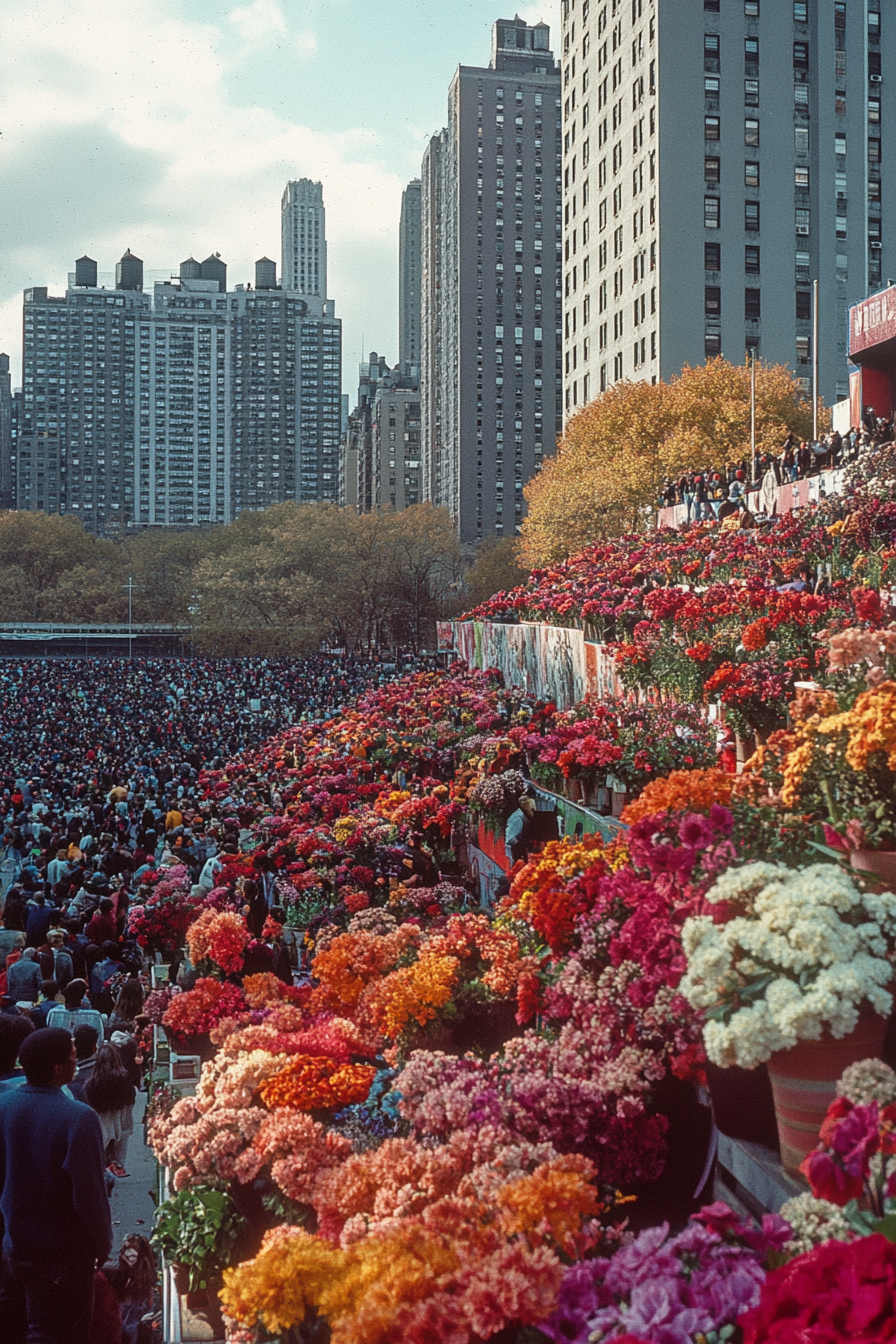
(133, 1208)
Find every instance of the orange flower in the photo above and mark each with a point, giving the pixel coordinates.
(682, 791)
(315, 1082)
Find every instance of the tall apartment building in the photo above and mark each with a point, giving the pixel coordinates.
(304, 239)
(7, 483)
(491, 296)
(717, 158)
(182, 407)
(409, 277)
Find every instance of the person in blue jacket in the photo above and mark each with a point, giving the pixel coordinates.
(53, 1204)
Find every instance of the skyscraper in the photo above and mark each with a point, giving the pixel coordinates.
(409, 277)
(7, 487)
(490, 376)
(180, 407)
(304, 239)
(717, 159)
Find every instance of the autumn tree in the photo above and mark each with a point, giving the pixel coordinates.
(495, 568)
(615, 453)
(51, 569)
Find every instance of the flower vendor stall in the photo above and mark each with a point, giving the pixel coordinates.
(463, 1124)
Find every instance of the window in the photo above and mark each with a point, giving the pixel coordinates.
(874, 151)
(712, 344)
(751, 174)
(802, 266)
(711, 128)
(712, 256)
(802, 349)
(710, 212)
(751, 131)
(802, 221)
(751, 92)
(801, 179)
(801, 95)
(711, 6)
(711, 169)
(874, 109)
(803, 305)
(711, 86)
(840, 104)
(874, 23)
(751, 9)
(800, 11)
(712, 301)
(752, 305)
(874, 64)
(751, 216)
(751, 50)
(839, 144)
(711, 46)
(751, 260)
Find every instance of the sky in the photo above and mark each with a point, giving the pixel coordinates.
(172, 126)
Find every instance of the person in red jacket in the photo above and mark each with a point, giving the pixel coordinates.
(101, 928)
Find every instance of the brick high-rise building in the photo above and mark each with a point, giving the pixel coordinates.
(490, 356)
(718, 158)
(181, 407)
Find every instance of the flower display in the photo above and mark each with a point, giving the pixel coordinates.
(670, 1290)
(220, 937)
(313, 1083)
(837, 1291)
(203, 1007)
(784, 955)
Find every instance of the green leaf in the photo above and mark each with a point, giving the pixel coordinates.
(886, 1226)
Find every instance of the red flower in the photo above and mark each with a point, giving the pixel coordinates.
(839, 1291)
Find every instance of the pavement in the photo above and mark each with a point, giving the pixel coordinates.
(133, 1207)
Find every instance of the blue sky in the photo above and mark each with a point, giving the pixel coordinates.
(171, 126)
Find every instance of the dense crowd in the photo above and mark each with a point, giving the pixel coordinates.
(100, 765)
(711, 493)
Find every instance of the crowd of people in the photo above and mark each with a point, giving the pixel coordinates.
(707, 493)
(100, 767)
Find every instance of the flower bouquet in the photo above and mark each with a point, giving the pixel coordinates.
(792, 967)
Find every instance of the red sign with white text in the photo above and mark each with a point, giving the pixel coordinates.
(872, 321)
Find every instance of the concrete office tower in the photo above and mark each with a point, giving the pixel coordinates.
(490, 362)
(7, 488)
(718, 158)
(409, 277)
(303, 264)
(180, 408)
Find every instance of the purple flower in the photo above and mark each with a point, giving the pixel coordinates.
(696, 831)
(721, 819)
(856, 1138)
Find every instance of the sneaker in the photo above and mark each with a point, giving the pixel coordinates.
(117, 1170)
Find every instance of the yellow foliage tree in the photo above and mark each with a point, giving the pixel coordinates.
(611, 462)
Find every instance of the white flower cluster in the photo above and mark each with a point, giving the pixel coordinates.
(813, 1221)
(804, 951)
(868, 1080)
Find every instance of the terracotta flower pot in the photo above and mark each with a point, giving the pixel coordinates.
(573, 790)
(804, 1083)
(745, 747)
(877, 863)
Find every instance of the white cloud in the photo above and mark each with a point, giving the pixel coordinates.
(119, 130)
(259, 21)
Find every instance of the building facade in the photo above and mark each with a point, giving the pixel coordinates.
(179, 408)
(304, 239)
(7, 479)
(717, 158)
(409, 241)
(490, 275)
